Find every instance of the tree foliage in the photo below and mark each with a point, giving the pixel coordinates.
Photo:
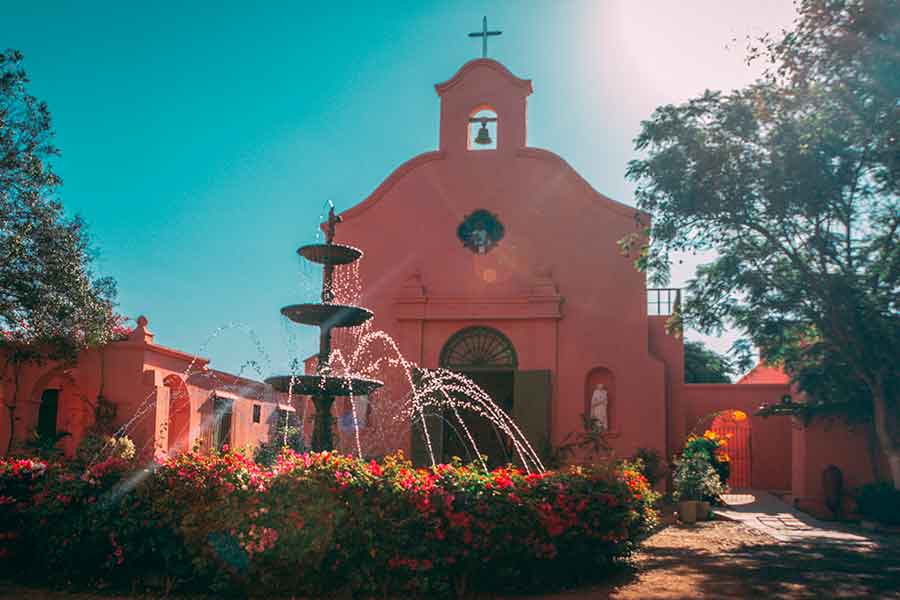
(793, 182)
(704, 365)
(49, 299)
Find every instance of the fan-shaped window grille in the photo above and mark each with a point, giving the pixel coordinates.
(478, 348)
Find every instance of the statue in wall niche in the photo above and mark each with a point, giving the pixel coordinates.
(600, 406)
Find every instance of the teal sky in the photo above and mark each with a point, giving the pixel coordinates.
(200, 141)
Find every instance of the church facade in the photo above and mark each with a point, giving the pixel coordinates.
(503, 263)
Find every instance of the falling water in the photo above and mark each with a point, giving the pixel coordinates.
(362, 351)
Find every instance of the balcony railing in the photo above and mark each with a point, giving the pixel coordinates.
(663, 301)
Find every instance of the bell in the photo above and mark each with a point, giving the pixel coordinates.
(484, 137)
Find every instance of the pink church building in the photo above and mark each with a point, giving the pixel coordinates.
(494, 259)
(497, 259)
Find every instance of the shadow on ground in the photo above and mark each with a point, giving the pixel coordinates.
(718, 559)
(727, 560)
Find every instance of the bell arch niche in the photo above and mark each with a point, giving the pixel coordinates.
(483, 128)
(600, 397)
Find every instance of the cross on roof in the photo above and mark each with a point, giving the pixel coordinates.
(483, 34)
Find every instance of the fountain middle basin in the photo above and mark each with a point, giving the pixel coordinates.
(321, 385)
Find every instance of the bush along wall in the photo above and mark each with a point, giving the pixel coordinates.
(316, 524)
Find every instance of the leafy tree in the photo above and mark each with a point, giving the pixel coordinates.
(703, 365)
(50, 303)
(793, 182)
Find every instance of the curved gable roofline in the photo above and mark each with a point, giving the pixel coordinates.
(390, 181)
(535, 153)
(441, 88)
(552, 157)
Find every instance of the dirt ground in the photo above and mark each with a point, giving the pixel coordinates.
(717, 559)
(721, 559)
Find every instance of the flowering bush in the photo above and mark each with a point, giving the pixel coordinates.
(712, 448)
(315, 523)
(696, 479)
(17, 476)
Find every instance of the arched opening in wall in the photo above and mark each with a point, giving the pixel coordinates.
(488, 358)
(178, 425)
(60, 411)
(734, 426)
(599, 398)
(482, 129)
(223, 415)
(48, 414)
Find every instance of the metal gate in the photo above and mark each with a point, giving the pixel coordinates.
(734, 426)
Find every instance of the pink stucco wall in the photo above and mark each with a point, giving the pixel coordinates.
(670, 350)
(825, 442)
(137, 376)
(770, 438)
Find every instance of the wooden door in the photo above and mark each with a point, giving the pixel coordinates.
(531, 408)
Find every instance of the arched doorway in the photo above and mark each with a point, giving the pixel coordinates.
(59, 409)
(734, 426)
(179, 421)
(488, 358)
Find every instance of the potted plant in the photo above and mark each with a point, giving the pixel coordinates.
(695, 481)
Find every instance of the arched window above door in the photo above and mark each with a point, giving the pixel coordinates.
(479, 348)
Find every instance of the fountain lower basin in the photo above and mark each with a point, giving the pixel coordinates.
(320, 385)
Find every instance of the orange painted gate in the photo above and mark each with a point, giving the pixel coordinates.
(734, 426)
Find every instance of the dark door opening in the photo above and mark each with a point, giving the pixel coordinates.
(48, 413)
(224, 411)
(490, 440)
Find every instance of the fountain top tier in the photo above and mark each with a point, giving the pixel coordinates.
(328, 315)
(330, 254)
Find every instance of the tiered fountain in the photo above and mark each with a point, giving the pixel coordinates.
(325, 385)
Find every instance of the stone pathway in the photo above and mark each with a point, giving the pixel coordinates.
(778, 519)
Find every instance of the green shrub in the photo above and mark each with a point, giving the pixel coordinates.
(285, 432)
(696, 479)
(879, 502)
(711, 447)
(650, 463)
